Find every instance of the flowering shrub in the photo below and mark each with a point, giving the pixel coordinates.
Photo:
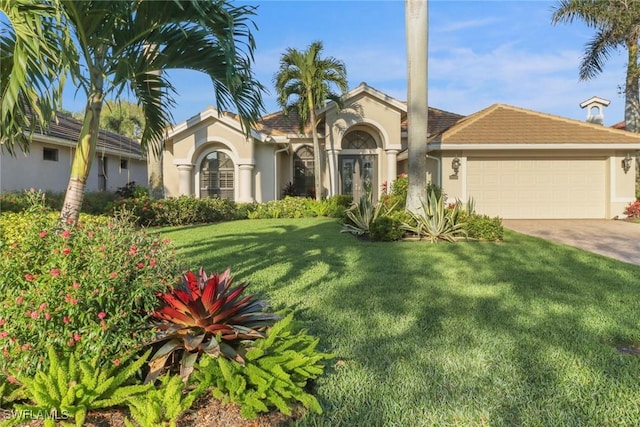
(633, 210)
(183, 210)
(289, 207)
(86, 286)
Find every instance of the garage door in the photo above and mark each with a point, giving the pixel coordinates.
(538, 188)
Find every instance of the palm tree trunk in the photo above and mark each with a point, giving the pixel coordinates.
(416, 21)
(156, 179)
(317, 168)
(632, 95)
(84, 154)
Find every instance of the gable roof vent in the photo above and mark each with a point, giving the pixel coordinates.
(595, 106)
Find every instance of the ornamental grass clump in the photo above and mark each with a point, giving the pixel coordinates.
(76, 286)
(205, 314)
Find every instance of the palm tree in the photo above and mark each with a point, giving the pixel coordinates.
(416, 24)
(617, 24)
(111, 46)
(304, 83)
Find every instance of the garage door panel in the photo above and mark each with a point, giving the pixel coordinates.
(538, 188)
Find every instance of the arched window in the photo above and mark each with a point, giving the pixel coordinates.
(217, 176)
(303, 172)
(358, 140)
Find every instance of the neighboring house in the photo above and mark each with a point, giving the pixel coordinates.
(514, 163)
(47, 166)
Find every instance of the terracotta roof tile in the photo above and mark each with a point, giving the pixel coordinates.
(438, 120)
(506, 124)
(280, 124)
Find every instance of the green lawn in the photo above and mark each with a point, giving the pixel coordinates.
(516, 333)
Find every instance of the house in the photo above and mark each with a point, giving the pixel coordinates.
(47, 166)
(514, 163)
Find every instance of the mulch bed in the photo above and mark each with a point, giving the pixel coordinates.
(206, 411)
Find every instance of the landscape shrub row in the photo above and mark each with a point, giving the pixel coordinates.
(97, 314)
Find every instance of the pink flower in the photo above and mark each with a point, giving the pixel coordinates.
(55, 272)
(2, 322)
(140, 265)
(47, 316)
(152, 263)
(19, 300)
(66, 251)
(65, 234)
(75, 285)
(76, 337)
(43, 234)
(4, 334)
(43, 306)
(102, 315)
(90, 234)
(12, 379)
(113, 275)
(116, 362)
(34, 314)
(102, 248)
(66, 320)
(133, 250)
(29, 277)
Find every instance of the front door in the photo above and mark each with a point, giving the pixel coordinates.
(358, 175)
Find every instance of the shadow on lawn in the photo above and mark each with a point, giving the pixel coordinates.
(404, 324)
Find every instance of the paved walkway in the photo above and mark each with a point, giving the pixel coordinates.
(615, 239)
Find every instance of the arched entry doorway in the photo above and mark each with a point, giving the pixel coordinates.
(303, 172)
(217, 175)
(358, 164)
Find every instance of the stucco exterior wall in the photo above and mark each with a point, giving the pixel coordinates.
(32, 171)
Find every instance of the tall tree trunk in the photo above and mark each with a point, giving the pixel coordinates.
(317, 158)
(85, 150)
(156, 179)
(416, 22)
(631, 92)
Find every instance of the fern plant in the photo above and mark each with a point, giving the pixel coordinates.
(276, 372)
(436, 222)
(163, 405)
(72, 386)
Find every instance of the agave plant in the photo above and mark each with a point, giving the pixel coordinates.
(437, 223)
(205, 314)
(362, 214)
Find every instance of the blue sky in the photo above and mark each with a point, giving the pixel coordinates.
(480, 53)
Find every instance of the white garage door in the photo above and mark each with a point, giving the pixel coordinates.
(538, 188)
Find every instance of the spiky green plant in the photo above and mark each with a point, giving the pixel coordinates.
(436, 222)
(163, 405)
(362, 214)
(277, 370)
(71, 386)
(204, 314)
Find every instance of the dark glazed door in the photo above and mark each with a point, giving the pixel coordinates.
(358, 175)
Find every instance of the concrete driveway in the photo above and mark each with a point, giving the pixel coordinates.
(611, 238)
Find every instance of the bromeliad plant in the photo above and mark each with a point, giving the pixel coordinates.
(205, 314)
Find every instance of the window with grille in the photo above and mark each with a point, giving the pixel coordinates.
(217, 176)
(358, 140)
(303, 172)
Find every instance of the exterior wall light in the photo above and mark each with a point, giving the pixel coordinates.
(455, 165)
(626, 163)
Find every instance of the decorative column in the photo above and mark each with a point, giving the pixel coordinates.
(334, 172)
(245, 182)
(184, 179)
(392, 165)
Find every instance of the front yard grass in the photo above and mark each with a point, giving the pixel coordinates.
(515, 333)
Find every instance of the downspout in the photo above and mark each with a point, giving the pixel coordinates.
(275, 168)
